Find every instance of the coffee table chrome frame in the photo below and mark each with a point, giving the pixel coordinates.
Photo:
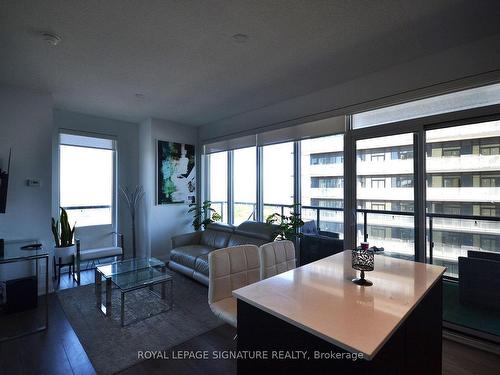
(106, 308)
(150, 286)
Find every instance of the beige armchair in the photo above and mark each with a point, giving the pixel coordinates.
(229, 269)
(276, 257)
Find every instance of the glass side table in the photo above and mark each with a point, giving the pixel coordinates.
(12, 253)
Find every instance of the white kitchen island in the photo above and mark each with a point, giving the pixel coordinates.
(392, 326)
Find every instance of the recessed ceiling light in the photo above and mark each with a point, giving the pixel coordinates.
(240, 38)
(51, 38)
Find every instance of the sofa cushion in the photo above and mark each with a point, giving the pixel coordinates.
(238, 239)
(186, 255)
(192, 238)
(255, 229)
(215, 238)
(226, 309)
(181, 268)
(201, 278)
(103, 252)
(201, 264)
(221, 227)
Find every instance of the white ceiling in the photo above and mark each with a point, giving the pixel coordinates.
(181, 57)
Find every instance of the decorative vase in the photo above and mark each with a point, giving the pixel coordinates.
(363, 259)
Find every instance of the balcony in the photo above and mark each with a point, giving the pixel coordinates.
(329, 193)
(315, 170)
(386, 193)
(384, 167)
(463, 194)
(464, 163)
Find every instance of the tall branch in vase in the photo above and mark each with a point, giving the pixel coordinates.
(133, 199)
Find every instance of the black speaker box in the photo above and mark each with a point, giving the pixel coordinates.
(22, 294)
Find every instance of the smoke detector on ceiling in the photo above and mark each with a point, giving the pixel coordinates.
(240, 38)
(51, 38)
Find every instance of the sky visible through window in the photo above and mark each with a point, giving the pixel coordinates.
(277, 173)
(86, 179)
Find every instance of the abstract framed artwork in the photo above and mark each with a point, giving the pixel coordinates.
(5, 157)
(176, 173)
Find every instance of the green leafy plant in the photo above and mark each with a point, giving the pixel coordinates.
(203, 215)
(287, 225)
(62, 231)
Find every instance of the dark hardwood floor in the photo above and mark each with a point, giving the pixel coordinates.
(218, 339)
(459, 359)
(54, 351)
(87, 276)
(58, 351)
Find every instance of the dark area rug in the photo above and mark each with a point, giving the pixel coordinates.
(112, 348)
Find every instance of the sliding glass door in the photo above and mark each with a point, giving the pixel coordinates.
(322, 183)
(385, 194)
(419, 179)
(463, 192)
(463, 222)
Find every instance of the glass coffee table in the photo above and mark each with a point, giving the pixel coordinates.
(130, 275)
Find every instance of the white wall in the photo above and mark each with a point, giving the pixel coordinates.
(162, 221)
(26, 125)
(29, 123)
(146, 179)
(127, 151)
(30, 126)
(460, 63)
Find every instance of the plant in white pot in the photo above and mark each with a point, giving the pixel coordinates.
(63, 237)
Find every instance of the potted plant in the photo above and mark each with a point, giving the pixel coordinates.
(287, 226)
(204, 215)
(63, 237)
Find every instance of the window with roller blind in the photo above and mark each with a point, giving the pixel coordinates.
(87, 179)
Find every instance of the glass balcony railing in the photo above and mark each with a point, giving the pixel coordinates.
(244, 211)
(221, 208)
(451, 236)
(392, 230)
(448, 236)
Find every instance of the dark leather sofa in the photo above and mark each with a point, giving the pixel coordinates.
(316, 244)
(189, 254)
(478, 278)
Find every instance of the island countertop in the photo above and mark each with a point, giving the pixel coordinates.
(321, 299)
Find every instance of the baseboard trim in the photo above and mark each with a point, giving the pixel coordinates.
(481, 343)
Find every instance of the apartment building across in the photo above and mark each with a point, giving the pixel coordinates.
(462, 179)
